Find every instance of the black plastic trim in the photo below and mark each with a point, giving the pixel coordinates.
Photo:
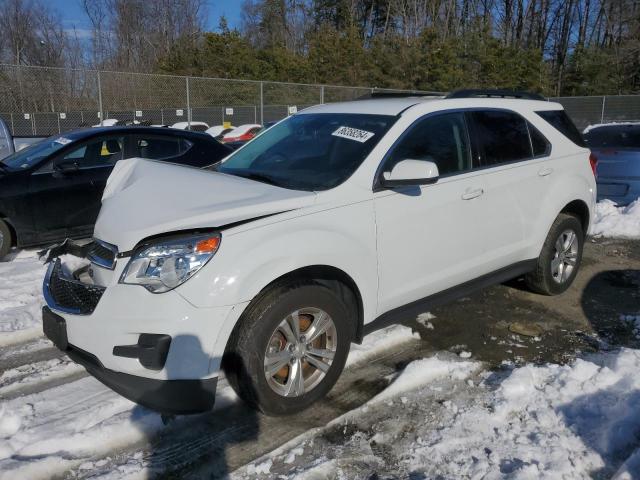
(413, 309)
(174, 397)
(499, 93)
(151, 350)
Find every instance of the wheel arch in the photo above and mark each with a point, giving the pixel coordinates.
(337, 280)
(581, 210)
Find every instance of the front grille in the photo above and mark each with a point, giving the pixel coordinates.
(71, 295)
(103, 254)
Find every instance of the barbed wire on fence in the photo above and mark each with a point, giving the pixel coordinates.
(42, 101)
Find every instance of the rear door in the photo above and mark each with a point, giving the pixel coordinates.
(66, 192)
(516, 161)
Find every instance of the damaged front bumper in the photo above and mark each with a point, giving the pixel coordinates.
(146, 347)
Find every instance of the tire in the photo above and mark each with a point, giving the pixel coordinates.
(558, 263)
(6, 239)
(261, 328)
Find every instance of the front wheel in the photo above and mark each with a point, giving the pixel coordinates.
(289, 347)
(560, 257)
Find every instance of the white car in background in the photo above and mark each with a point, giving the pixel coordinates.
(218, 131)
(107, 122)
(339, 220)
(192, 126)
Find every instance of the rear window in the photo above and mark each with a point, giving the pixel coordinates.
(561, 122)
(614, 136)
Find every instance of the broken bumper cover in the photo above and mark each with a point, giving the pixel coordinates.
(165, 396)
(157, 350)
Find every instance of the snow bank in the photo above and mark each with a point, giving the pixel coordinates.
(424, 371)
(21, 297)
(534, 422)
(546, 422)
(613, 221)
(598, 125)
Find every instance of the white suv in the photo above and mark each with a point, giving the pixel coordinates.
(337, 221)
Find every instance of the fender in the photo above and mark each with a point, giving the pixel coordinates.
(250, 260)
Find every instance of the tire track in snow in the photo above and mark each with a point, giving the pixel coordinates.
(60, 431)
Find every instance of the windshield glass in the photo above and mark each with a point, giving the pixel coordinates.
(309, 151)
(622, 136)
(30, 156)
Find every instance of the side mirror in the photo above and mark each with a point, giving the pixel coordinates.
(69, 166)
(410, 172)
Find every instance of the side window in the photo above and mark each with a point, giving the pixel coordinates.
(158, 148)
(541, 146)
(561, 122)
(97, 153)
(502, 136)
(441, 139)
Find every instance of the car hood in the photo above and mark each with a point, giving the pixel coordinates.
(145, 198)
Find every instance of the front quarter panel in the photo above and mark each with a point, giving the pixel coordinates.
(250, 260)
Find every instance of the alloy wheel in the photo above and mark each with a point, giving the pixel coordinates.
(300, 352)
(565, 256)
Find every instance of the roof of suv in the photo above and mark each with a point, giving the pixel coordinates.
(395, 106)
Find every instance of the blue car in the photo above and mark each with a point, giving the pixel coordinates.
(617, 149)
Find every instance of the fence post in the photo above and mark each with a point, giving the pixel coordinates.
(604, 97)
(100, 98)
(321, 94)
(261, 103)
(188, 105)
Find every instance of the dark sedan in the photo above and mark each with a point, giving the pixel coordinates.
(52, 190)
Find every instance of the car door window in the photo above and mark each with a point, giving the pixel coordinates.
(158, 148)
(539, 143)
(441, 139)
(502, 136)
(98, 153)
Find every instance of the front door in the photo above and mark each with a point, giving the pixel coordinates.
(427, 236)
(66, 192)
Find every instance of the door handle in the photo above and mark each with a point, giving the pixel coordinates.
(469, 194)
(545, 171)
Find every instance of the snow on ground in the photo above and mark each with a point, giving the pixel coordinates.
(613, 221)
(20, 297)
(532, 422)
(47, 433)
(598, 125)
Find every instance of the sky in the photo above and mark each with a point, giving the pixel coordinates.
(73, 15)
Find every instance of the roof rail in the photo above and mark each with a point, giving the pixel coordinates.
(392, 94)
(495, 93)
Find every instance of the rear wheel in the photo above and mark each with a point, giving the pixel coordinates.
(560, 257)
(6, 239)
(289, 347)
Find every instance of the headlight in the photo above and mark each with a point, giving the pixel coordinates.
(164, 265)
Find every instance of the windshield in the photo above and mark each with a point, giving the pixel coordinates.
(309, 151)
(622, 136)
(30, 156)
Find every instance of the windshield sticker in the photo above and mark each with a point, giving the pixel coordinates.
(62, 141)
(353, 134)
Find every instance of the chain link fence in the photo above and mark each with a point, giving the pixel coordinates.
(42, 101)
